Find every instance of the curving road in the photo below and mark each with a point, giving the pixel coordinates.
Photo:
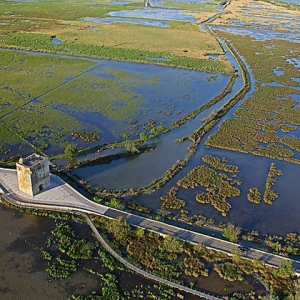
(61, 195)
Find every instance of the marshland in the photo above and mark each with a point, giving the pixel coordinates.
(186, 112)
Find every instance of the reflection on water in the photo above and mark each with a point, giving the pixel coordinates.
(143, 168)
(156, 14)
(136, 171)
(157, 58)
(280, 218)
(277, 71)
(294, 61)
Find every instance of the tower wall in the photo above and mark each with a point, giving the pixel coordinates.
(40, 176)
(33, 174)
(24, 179)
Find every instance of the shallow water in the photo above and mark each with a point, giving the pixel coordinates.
(279, 218)
(111, 20)
(159, 91)
(156, 14)
(57, 41)
(22, 269)
(262, 35)
(291, 1)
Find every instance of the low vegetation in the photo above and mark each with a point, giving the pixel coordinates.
(170, 201)
(87, 137)
(270, 196)
(264, 121)
(148, 250)
(218, 186)
(156, 254)
(229, 271)
(254, 195)
(232, 232)
(219, 164)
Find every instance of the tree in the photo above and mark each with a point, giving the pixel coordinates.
(231, 232)
(297, 288)
(257, 264)
(277, 247)
(130, 146)
(71, 150)
(172, 244)
(144, 136)
(140, 232)
(270, 297)
(155, 131)
(285, 270)
(115, 203)
(236, 255)
(119, 228)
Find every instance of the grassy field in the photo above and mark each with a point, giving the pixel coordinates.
(26, 78)
(34, 84)
(31, 25)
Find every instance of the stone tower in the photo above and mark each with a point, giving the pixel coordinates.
(33, 174)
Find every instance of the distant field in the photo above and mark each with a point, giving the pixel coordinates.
(261, 14)
(31, 25)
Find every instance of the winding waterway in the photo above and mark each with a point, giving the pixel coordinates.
(142, 169)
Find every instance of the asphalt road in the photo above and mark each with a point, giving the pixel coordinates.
(61, 195)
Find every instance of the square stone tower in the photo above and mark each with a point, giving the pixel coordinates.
(33, 174)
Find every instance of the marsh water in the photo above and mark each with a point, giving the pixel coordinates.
(177, 91)
(140, 170)
(23, 273)
(22, 268)
(164, 95)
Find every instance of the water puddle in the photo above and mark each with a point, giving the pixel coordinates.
(278, 72)
(56, 41)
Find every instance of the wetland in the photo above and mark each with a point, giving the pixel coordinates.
(194, 117)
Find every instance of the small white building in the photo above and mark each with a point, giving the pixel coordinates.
(33, 174)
